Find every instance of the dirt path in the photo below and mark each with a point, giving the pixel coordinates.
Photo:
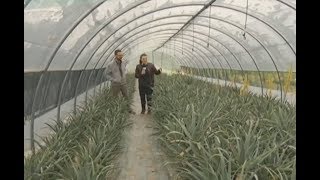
(141, 159)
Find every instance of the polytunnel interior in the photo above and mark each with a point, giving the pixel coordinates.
(68, 45)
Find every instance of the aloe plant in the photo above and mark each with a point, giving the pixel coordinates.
(87, 145)
(211, 132)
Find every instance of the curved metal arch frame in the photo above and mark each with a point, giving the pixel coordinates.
(103, 80)
(163, 25)
(260, 79)
(106, 60)
(201, 51)
(80, 77)
(230, 68)
(176, 57)
(269, 54)
(125, 10)
(248, 53)
(183, 52)
(260, 43)
(266, 49)
(189, 56)
(142, 42)
(171, 52)
(27, 3)
(180, 57)
(63, 39)
(287, 4)
(180, 60)
(133, 41)
(108, 22)
(253, 60)
(223, 69)
(231, 36)
(101, 57)
(261, 20)
(211, 38)
(241, 45)
(171, 58)
(241, 12)
(137, 27)
(190, 53)
(88, 81)
(51, 57)
(177, 41)
(69, 31)
(255, 17)
(102, 65)
(191, 46)
(105, 40)
(203, 55)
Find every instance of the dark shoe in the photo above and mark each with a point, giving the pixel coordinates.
(131, 112)
(149, 111)
(143, 111)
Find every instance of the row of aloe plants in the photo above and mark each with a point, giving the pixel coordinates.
(269, 78)
(210, 132)
(87, 145)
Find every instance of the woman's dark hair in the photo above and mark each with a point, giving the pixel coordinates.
(144, 54)
(116, 52)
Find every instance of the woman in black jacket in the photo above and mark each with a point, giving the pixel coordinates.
(145, 73)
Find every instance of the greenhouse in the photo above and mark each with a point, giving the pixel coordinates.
(222, 105)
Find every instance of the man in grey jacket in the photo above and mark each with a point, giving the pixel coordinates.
(115, 72)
